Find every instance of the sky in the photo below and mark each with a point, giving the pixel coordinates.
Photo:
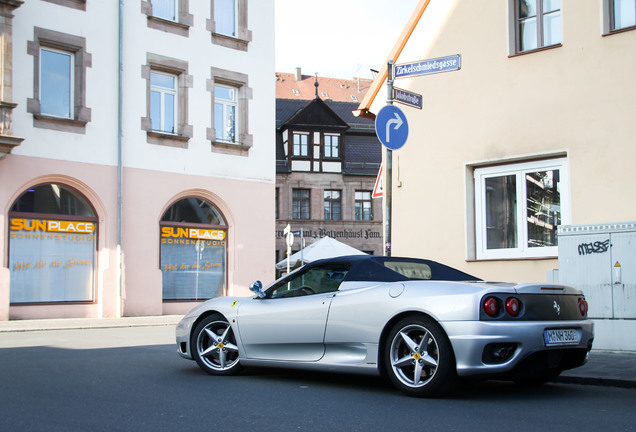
(338, 38)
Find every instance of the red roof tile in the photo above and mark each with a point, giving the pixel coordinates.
(336, 89)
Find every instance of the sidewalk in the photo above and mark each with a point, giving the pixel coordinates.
(87, 323)
(617, 369)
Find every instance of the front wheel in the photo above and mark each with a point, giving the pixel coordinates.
(214, 346)
(418, 357)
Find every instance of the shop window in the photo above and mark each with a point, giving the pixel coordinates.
(538, 24)
(363, 207)
(193, 262)
(167, 84)
(228, 24)
(59, 87)
(518, 208)
(332, 205)
(52, 246)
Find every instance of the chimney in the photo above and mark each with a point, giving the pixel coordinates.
(299, 75)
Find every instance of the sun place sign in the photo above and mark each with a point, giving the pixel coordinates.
(431, 66)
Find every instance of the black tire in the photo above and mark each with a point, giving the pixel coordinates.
(420, 369)
(214, 346)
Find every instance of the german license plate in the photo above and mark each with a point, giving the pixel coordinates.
(556, 337)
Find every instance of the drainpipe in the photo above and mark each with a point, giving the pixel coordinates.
(119, 280)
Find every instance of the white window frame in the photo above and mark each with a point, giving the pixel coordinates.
(235, 24)
(163, 91)
(330, 146)
(301, 145)
(519, 170)
(71, 107)
(175, 11)
(226, 104)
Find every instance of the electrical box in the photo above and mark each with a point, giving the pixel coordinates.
(600, 260)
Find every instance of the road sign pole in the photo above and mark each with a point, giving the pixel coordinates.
(388, 193)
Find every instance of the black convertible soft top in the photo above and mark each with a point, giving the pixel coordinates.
(374, 268)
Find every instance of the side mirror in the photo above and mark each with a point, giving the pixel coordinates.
(257, 288)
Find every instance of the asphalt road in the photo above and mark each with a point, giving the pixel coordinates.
(131, 379)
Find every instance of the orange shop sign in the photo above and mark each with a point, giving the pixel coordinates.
(192, 233)
(59, 226)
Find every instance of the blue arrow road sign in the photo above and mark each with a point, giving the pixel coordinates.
(391, 127)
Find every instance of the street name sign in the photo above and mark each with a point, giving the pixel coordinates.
(407, 98)
(391, 127)
(431, 66)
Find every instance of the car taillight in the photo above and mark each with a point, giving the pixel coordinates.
(491, 306)
(512, 306)
(583, 307)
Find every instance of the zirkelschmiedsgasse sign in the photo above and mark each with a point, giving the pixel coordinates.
(430, 66)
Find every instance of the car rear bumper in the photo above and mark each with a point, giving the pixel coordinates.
(523, 345)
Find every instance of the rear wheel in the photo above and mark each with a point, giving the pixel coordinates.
(418, 357)
(214, 346)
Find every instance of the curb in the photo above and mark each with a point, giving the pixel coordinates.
(603, 382)
(21, 326)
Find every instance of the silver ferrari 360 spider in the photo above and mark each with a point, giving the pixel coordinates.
(420, 323)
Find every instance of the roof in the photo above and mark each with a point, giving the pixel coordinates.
(363, 151)
(286, 109)
(365, 105)
(336, 89)
(375, 268)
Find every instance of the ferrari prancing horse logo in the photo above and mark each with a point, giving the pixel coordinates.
(557, 307)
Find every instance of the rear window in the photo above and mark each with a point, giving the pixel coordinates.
(411, 270)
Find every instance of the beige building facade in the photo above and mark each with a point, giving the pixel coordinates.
(533, 131)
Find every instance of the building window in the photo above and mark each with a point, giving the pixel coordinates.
(225, 17)
(301, 144)
(52, 246)
(300, 204)
(167, 82)
(518, 209)
(225, 111)
(165, 9)
(538, 24)
(75, 4)
(171, 16)
(193, 262)
(230, 100)
(59, 88)
(363, 207)
(56, 83)
(332, 205)
(228, 24)
(622, 14)
(277, 216)
(163, 99)
(332, 146)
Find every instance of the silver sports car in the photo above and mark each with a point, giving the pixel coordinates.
(420, 323)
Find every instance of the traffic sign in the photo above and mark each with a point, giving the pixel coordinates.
(425, 67)
(407, 97)
(391, 127)
(379, 181)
